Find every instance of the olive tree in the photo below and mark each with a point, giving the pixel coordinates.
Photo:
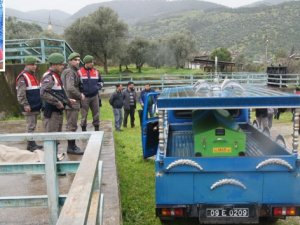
(99, 34)
(138, 50)
(223, 54)
(15, 29)
(181, 46)
(159, 54)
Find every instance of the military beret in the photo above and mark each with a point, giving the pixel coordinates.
(73, 55)
(56, 58)
(30, 60)
(88, 59)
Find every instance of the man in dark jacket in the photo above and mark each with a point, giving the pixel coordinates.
(28, 93)
(151, 100)
(116, 101)
(91, 84)
(262, 118)
(129, 103)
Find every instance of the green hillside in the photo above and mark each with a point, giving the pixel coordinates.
(244, 30)
(132, 11)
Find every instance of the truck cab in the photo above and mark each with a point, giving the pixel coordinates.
(211, 163)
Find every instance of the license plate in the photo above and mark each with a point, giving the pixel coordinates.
(230, 212)
(222, 150)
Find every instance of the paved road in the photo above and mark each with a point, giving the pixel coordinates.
(22, 185)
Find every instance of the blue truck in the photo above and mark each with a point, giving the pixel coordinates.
(211, 163)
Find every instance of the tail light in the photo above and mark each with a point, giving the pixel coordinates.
(284, 211)
(176, 212)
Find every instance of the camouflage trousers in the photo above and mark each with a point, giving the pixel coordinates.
(54, 123)
(72, 118)
(31, 121)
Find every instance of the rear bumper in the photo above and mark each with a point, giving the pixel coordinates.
(255, 213)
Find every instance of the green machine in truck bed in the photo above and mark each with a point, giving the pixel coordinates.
(217, 134)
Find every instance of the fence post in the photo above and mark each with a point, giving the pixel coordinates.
(43, 50)
(50, 149)
(280, 80)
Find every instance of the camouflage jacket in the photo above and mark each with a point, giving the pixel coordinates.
(72, 85)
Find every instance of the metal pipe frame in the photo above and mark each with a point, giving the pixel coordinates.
(296, 130)
(86, 183)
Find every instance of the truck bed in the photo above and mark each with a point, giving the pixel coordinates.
(181, 143)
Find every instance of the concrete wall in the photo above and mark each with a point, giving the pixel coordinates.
(8, 100)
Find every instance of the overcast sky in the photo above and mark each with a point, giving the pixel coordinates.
(72, 6)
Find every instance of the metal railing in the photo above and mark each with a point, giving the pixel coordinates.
(84, 195)
(18, 49)
(167, 80)
(284, 80)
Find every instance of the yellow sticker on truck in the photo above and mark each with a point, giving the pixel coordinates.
(222, 150)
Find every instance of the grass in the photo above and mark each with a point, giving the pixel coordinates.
(136, 175)
(285, 117)
(136, 179)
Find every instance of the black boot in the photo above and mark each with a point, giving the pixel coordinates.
(73, 148)
(38, 146)
(83, 128)
(31, 146)
(96, 128)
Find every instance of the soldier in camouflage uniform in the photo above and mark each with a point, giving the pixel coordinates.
(51, 87)
(72, 84)
(51, 82)
(28, 94)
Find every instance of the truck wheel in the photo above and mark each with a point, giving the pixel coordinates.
(166, 220)
(198, 154)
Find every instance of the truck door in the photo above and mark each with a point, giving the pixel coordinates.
(149, 124)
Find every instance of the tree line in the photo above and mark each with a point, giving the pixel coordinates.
(103, 35)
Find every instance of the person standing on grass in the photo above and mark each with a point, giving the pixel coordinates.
(151, 99)
(262, 118)
(129, 103)
(91, 84)
(28, 94)
(116, 101)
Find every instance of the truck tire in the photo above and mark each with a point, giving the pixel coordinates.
(166, 220)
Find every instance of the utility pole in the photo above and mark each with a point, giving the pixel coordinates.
(267, 42)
